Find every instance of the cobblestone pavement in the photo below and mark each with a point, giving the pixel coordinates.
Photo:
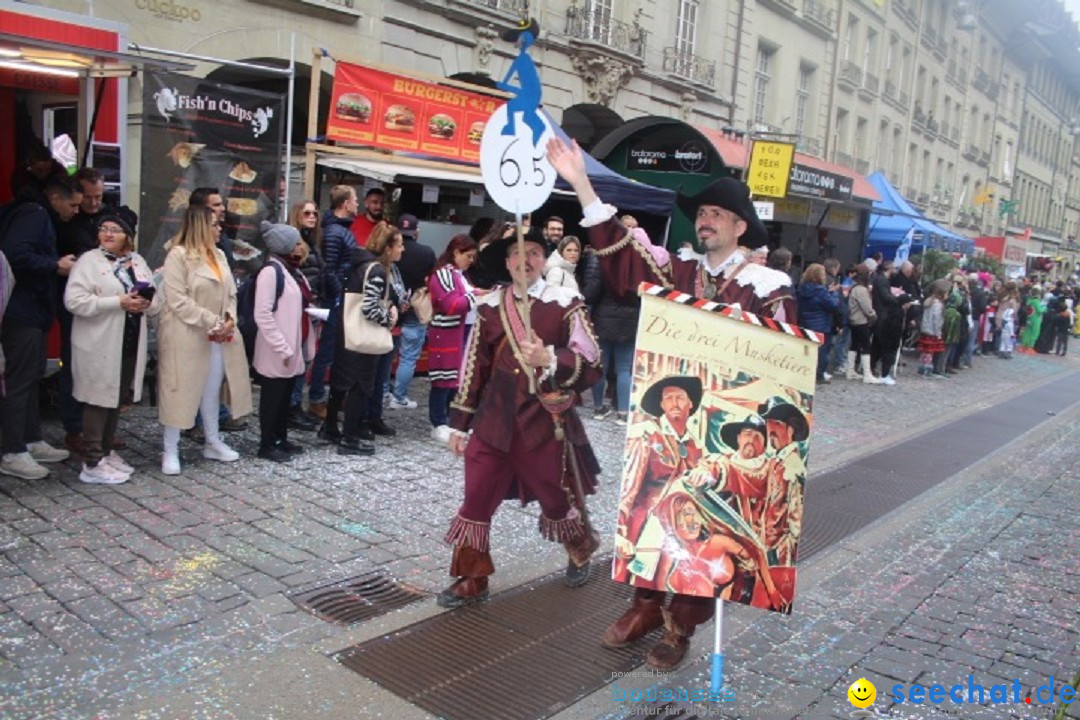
(116, 596)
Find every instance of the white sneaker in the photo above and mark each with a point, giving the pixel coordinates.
(42, 451)
(405, 404)
(22, 465)
(441, 434)
(887, 380)
(220, 451)
(170, 463)
(828, 377)
(116, 462)
(102, 474)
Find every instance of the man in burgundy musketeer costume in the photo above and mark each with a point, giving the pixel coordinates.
(523, 444)
(723, 216)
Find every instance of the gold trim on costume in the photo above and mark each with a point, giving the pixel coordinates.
(469, 368)
(666, 282)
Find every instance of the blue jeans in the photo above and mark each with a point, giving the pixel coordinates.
(413, 335)
(969, 348)
(823, 357)
(324, 358)
(439, 405)
(297, 398)
(622, 355)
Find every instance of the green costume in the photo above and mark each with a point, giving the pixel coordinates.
(1034, 309)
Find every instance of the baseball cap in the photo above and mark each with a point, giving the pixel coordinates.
(407, 225)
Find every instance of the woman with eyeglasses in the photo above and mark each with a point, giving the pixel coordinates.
(199, 351)
(307, 258)
(109, 293)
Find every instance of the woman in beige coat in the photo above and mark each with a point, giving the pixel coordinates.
(109, 295)
(197, 344)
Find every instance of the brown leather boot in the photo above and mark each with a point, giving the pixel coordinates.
(317, 410)
(644, 616)
(472, 568)
(668, 654)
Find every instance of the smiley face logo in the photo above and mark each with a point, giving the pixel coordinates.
(862, 693)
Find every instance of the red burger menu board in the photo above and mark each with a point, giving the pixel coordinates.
(381, 109)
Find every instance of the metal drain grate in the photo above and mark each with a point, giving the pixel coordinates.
(529, 653)
(360, 598)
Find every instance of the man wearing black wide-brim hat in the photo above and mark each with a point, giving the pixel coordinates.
(516, 446)
(723, 216)
(786, 426)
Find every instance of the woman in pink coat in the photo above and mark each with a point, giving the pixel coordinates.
(452, 299)
(283, 342)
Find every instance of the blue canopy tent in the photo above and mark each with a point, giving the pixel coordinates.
(893, 216)
(616, 189)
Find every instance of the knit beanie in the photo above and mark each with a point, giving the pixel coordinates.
(280, 239)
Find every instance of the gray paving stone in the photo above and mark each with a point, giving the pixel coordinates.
(259, 585)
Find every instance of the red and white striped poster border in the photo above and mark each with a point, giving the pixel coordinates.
(725, 310)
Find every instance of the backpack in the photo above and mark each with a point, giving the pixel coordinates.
(245, 306)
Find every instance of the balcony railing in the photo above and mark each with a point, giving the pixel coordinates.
(984, 158)
(862, 167)
(842, 158)
(850, 75)
(955, 134)
(905, 99)
(512, 7)
(342, 10)
(932, 126)
(923, 198)
(919, 116)
(944, 129)
(599, 27)
(869, 84)
(820, 12)
(809, 146)
(971, 152)
(690, 66)
(981, 81)
(929, 37)
(904, 10)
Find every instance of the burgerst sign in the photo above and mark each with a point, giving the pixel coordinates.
(819, 183)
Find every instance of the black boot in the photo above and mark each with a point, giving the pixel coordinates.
(364, 431)
(329, 433)
(381, 428)
(355, 446)
(274, 453)
(299, 420)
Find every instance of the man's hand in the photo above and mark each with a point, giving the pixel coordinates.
(457, 443)
(624, 548)
(64, 265)
(393, 316)
(569, 162)
(535, 354)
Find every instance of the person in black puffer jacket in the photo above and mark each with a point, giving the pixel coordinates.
(338, 244)
(616, 327)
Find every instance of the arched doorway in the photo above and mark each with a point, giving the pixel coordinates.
(588, 123)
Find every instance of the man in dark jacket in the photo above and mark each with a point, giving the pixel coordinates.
(416, 264)
(888, 331)
(978, 308)
(28, 240)
(338, 246)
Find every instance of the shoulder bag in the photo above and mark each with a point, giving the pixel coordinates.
(362, 335)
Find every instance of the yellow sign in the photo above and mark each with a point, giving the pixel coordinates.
(770, 167)
(983, 197)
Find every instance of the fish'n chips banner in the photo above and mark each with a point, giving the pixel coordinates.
(199, 133)
(380, 109)
(712, 492)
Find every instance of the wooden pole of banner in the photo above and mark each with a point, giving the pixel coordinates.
(523, 292)
(313, 124)
(717, 683)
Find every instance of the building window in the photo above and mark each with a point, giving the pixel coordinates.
(849, 37)
(869, 52)
(802, 98)
(686, 26)
(599, 16)
(761, 87)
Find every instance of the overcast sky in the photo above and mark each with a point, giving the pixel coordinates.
(1073, 6)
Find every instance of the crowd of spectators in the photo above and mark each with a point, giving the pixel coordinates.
(202, 338)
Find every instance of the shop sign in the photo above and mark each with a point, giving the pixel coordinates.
(1015, 251)
(666, 153)
(819, 183)
(770, 166)
(841, 218)
(791, 210)
(169, 10)
(380, 109)
(198, 133)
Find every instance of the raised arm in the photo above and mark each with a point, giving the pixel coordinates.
(569, 162)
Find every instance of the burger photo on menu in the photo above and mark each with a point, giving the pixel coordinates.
(400, 117)
(353, 106)
(442, 126)
(476, 132)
